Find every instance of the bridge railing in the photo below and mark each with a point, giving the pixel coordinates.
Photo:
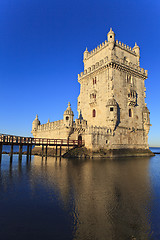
(11, 139)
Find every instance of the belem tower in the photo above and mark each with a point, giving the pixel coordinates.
(111, 104)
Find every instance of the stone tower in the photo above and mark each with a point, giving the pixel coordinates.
(68, 116)
(112, 96)
(35, 124)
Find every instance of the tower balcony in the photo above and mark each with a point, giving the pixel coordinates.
(92, 102)
(132, 98)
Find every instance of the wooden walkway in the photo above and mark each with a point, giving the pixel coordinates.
(13, 140)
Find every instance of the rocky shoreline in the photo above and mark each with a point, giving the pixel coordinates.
(82, 152)
(112, 153)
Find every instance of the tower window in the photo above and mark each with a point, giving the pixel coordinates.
(110, 36)
(130, 112)
(94, 80)
(67, 118)
(94, 113)
(111, 109)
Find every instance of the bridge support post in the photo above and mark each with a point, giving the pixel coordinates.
(30, 152)
(60, 151)
(46, 151)
(56, 150)
(11, 156)
(20, 152)
(1, 147)
(42, 150)
(27, 152)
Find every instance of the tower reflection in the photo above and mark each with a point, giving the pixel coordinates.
(107, 199)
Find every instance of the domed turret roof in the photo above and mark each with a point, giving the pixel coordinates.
(111, 102)
(36, 120)
(110, 32)
(69, 110)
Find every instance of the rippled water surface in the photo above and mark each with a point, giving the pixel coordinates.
(80, 199)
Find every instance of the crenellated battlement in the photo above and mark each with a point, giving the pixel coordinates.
(51, 125)
(107, 62)
(97, 49)
(125, 47)
(105, 44)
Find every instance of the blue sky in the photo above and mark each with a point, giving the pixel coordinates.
(41, 50)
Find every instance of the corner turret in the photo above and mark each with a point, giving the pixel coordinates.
(137, 51)
(112, 116)
(68, 116)
(35, 124)
(85, 54)
(146, 119)
(111, 39)
(111, 36)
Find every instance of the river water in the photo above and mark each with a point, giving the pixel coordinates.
(80, 199)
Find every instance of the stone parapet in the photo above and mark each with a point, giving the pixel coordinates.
(105, 44)
(51, 125)
(120, 62)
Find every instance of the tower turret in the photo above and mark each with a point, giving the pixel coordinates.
(85, 54)
(112, 116)
(137, 51)
(111, 38)
(111, 41)
(35, 124)
(146, 119)
(68, 116)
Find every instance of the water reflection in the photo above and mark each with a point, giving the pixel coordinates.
(104, 199)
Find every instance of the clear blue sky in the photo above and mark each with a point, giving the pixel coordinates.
(41, 49)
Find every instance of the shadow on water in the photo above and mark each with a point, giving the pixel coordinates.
(56, 198)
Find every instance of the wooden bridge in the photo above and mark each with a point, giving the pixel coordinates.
(13, 140)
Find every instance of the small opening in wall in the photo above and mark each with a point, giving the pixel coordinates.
(67, 118)
(94, 113)
(130, 112)
(106, 141)
(110, 36)
(111, 109)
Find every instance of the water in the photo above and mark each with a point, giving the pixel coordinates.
(80, 199)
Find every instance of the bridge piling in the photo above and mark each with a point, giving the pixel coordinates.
(46, 151)
(20, 152)
(56, 150)
(27, 152)
(11, 154)
(42, 150)
(60, 150)
(30, 152)
(1, 147)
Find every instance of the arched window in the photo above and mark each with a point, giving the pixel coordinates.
(67, 118)
(95, 81)
(130, 112)
(94, 113)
